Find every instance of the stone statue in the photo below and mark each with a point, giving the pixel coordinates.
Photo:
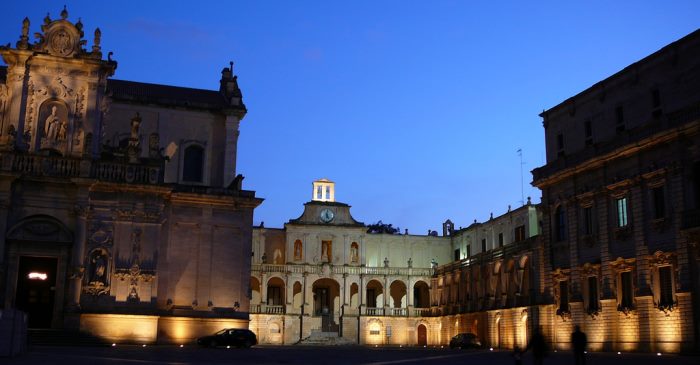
(135, 126)
(62, 131)
(99, 266)
(52, 125)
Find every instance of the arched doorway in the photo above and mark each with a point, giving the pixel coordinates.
(421, 295)
(422, 335)
(374, 298)
(38, 257)
(326, 301)
(275, 295)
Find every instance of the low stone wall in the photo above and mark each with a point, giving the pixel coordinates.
(143, 329)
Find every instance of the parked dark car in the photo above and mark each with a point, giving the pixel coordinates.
(465, 341)
(230, 337)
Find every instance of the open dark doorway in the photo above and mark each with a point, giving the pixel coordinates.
(36, 288)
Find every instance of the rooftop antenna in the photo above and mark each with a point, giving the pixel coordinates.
(522, 189)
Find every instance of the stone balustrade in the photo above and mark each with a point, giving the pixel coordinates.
(72, 167)
(341, 269)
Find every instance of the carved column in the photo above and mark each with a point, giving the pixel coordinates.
(77, 269)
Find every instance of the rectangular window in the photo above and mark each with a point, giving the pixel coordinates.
(626, 290)
(274, 295)
(588, 220)
(483, 245)
(319, 193)
(657, 194)
(665, 286)
(519, 233)
(621, 205)
(655, 98)
(589, 132)
(560, 144)
(469, 250)
(371, 298)
(619, 120)
(563, 296)
(328, 193)
(500, 240)
(560, 228)
(457, 258)
(593, 305)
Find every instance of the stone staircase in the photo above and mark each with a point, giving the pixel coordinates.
(318, 338)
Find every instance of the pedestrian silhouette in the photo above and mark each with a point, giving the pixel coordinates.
(538, 344)
(518, 356)
(579, 342)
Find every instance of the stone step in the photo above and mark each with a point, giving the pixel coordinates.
(318, 338)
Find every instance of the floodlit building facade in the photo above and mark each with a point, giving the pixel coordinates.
(620, 202)
(324, 278)
(123, 216)
(122, 213)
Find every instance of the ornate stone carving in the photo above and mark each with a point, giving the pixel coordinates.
(98, 274)
(154, 146)
(54, 115)
(40, 228)
(621, 264)
(77, 272)
(23, 42)
(101, 233)
(134, 148)
(30, 105)
(660, 258)
(589, 269)
(56, 89)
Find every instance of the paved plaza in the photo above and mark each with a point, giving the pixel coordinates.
(310, 355)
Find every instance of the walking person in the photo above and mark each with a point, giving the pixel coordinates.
(579, 342)
(518, 356)
(538, 344)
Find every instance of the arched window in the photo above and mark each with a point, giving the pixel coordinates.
(193, 164)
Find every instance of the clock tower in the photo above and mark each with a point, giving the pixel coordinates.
(323, 191)
(324, 210)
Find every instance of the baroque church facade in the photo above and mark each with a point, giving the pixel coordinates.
(122, 214)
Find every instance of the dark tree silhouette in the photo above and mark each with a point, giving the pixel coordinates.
(381, 227)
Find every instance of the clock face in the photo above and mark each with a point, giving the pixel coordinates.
(327, 215)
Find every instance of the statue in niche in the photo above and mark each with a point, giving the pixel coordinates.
(277, 257)
(326, 250)
(62, 131)
(54, 115)
(52, 125)
(298, 250)
(135, 126)
(154, 146)
(354, 257)
(98, 268)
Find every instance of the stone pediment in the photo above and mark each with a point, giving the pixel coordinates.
(328, 214)
(60, 38)
(40, 228)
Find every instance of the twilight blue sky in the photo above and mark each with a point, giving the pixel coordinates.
(414, 108)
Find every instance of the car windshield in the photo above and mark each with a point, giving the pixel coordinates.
(222, 332)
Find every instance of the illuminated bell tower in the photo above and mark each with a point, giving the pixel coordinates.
(323, 191)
